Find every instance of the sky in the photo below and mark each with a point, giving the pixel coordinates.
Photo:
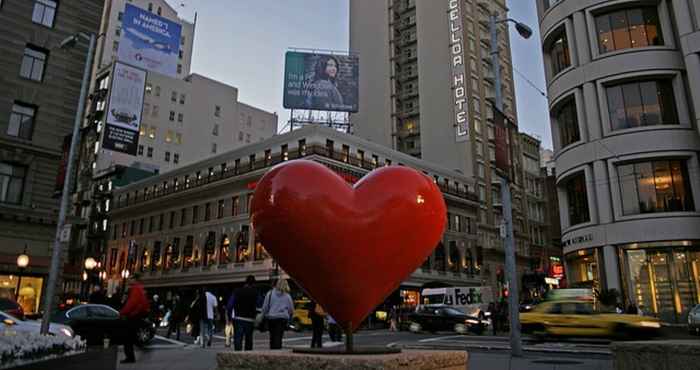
(242, 43)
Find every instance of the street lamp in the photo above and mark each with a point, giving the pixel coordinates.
(57, 246)
(22, 263)
(90, 263)
(513, 304)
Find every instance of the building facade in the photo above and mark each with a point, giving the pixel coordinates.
(39, 93)
(184, 119)
(426, 89)
(624, 90)
(190, 227)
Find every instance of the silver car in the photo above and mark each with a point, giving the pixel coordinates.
(694, 320)
(12, 323)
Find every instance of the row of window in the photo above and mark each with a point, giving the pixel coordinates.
(236, 206)
(615, 30)
(459, 223)
(630, 104)
(645, 187)
(150, 152)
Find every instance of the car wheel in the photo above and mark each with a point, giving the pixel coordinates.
(461, 328)
(415, 327)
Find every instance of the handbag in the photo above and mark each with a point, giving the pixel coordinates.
(261, 322)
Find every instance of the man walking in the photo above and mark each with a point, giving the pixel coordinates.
(244, 305)
(134, 310)
(207, 325)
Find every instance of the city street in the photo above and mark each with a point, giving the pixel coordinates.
(485, 352)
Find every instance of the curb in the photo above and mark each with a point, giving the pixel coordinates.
(507, 348)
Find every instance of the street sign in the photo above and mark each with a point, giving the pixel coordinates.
(502, 229)
(65, 233)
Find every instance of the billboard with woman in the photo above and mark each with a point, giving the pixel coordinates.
(321, 82)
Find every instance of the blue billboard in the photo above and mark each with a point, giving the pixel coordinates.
(149, 41)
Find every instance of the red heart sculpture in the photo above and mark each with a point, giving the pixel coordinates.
(348, 246)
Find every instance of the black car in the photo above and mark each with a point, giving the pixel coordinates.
(95, 322)
(434, 319)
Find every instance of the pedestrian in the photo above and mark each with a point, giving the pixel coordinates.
(176, 316)
(135, 309)
(244, 306)
(97, 296)
(393, 319)
(493, 313)
(318, 316)
(334, 330)
(229, 314)
(206, 327)
(278, 309)
(194, 316)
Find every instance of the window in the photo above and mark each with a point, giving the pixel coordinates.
(157, 90)
(251, 162)
(149, 88)
(559, 52)
(11, 182)
(179, 68)
(155, 111)
(149, 153)
(215, 131)
(628, 28)
(44, 12)
(247, 138)
(179, 56)
(173, 97)
(567, 121)
(329, 147)
(33, 63)
(115, 46)
(577, 200)
(118, 31)
(140, 149)
(167, 156)
(657, 186)
(160, 11)
(152, 133)
(217, 111)
(285, 152)
(180, 117)
(176, 158)
(240, 135)
(302, 147)
(213, 148)
(178, 138)
(235, 206)
(171, 221)
(172, 116)
(169, 136)
(207, 211)
(345, 153)
(195, 214)
(220, 209)
(182, 96)
(641, 103)
(21, 121)
(183, 216)
(150, 7)
(120, 16)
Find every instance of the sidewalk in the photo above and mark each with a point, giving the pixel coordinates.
(503, 361)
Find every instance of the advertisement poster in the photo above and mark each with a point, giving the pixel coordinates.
(149, 41)
(124, 109)
(500, 132)
(321, 82)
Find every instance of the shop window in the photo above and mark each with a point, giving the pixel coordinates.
(224, 250)
(567, 121)
(29, 293)
(242, 249)
(187, 252)
(577, 199)
(657, 186)
(628, 28)
(210, 249)
(641, 103)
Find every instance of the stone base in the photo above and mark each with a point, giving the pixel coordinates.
(285, 359)
(657, 355)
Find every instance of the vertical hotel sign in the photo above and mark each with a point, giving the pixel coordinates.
(125, 107)
(459, 91)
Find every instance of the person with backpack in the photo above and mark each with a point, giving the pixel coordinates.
(317, 316)
(244, 308)
(134, 310)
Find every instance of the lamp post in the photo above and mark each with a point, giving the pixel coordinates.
(90, 265)
(22, 263)
(57, 245)
(511, 274)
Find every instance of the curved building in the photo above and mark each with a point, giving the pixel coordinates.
(624, 96)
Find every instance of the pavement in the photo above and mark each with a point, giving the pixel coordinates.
(485, 352)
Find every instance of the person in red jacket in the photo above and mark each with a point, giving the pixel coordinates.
(134, 310)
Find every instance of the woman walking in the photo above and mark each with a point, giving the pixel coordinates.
(278, 309)
(317, 316)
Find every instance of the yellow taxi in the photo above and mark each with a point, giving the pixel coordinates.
(301, 318)
(579, 318)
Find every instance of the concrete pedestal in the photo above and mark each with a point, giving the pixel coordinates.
(285, 359)
(657, 355)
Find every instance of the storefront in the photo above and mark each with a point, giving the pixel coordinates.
(26, 290)
(583, 268)
(663, 279)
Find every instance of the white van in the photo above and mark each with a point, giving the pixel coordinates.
(473, 301)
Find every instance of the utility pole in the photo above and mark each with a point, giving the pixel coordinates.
(57, 243)
(511, 272)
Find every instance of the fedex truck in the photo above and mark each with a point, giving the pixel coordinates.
(473, 301)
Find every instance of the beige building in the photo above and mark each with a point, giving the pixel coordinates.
(190, 226)
(39, 92)
(624, 89)
(426, 89)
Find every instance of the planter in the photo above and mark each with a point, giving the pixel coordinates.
(93, 358)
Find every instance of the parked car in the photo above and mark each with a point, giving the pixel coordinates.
(694, 320)
(13, 323)
(95, 322)
(578, 318)
(433, 319)
(10, 306)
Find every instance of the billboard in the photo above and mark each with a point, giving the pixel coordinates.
(149, 41)
(124, 109)
(321, 82)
